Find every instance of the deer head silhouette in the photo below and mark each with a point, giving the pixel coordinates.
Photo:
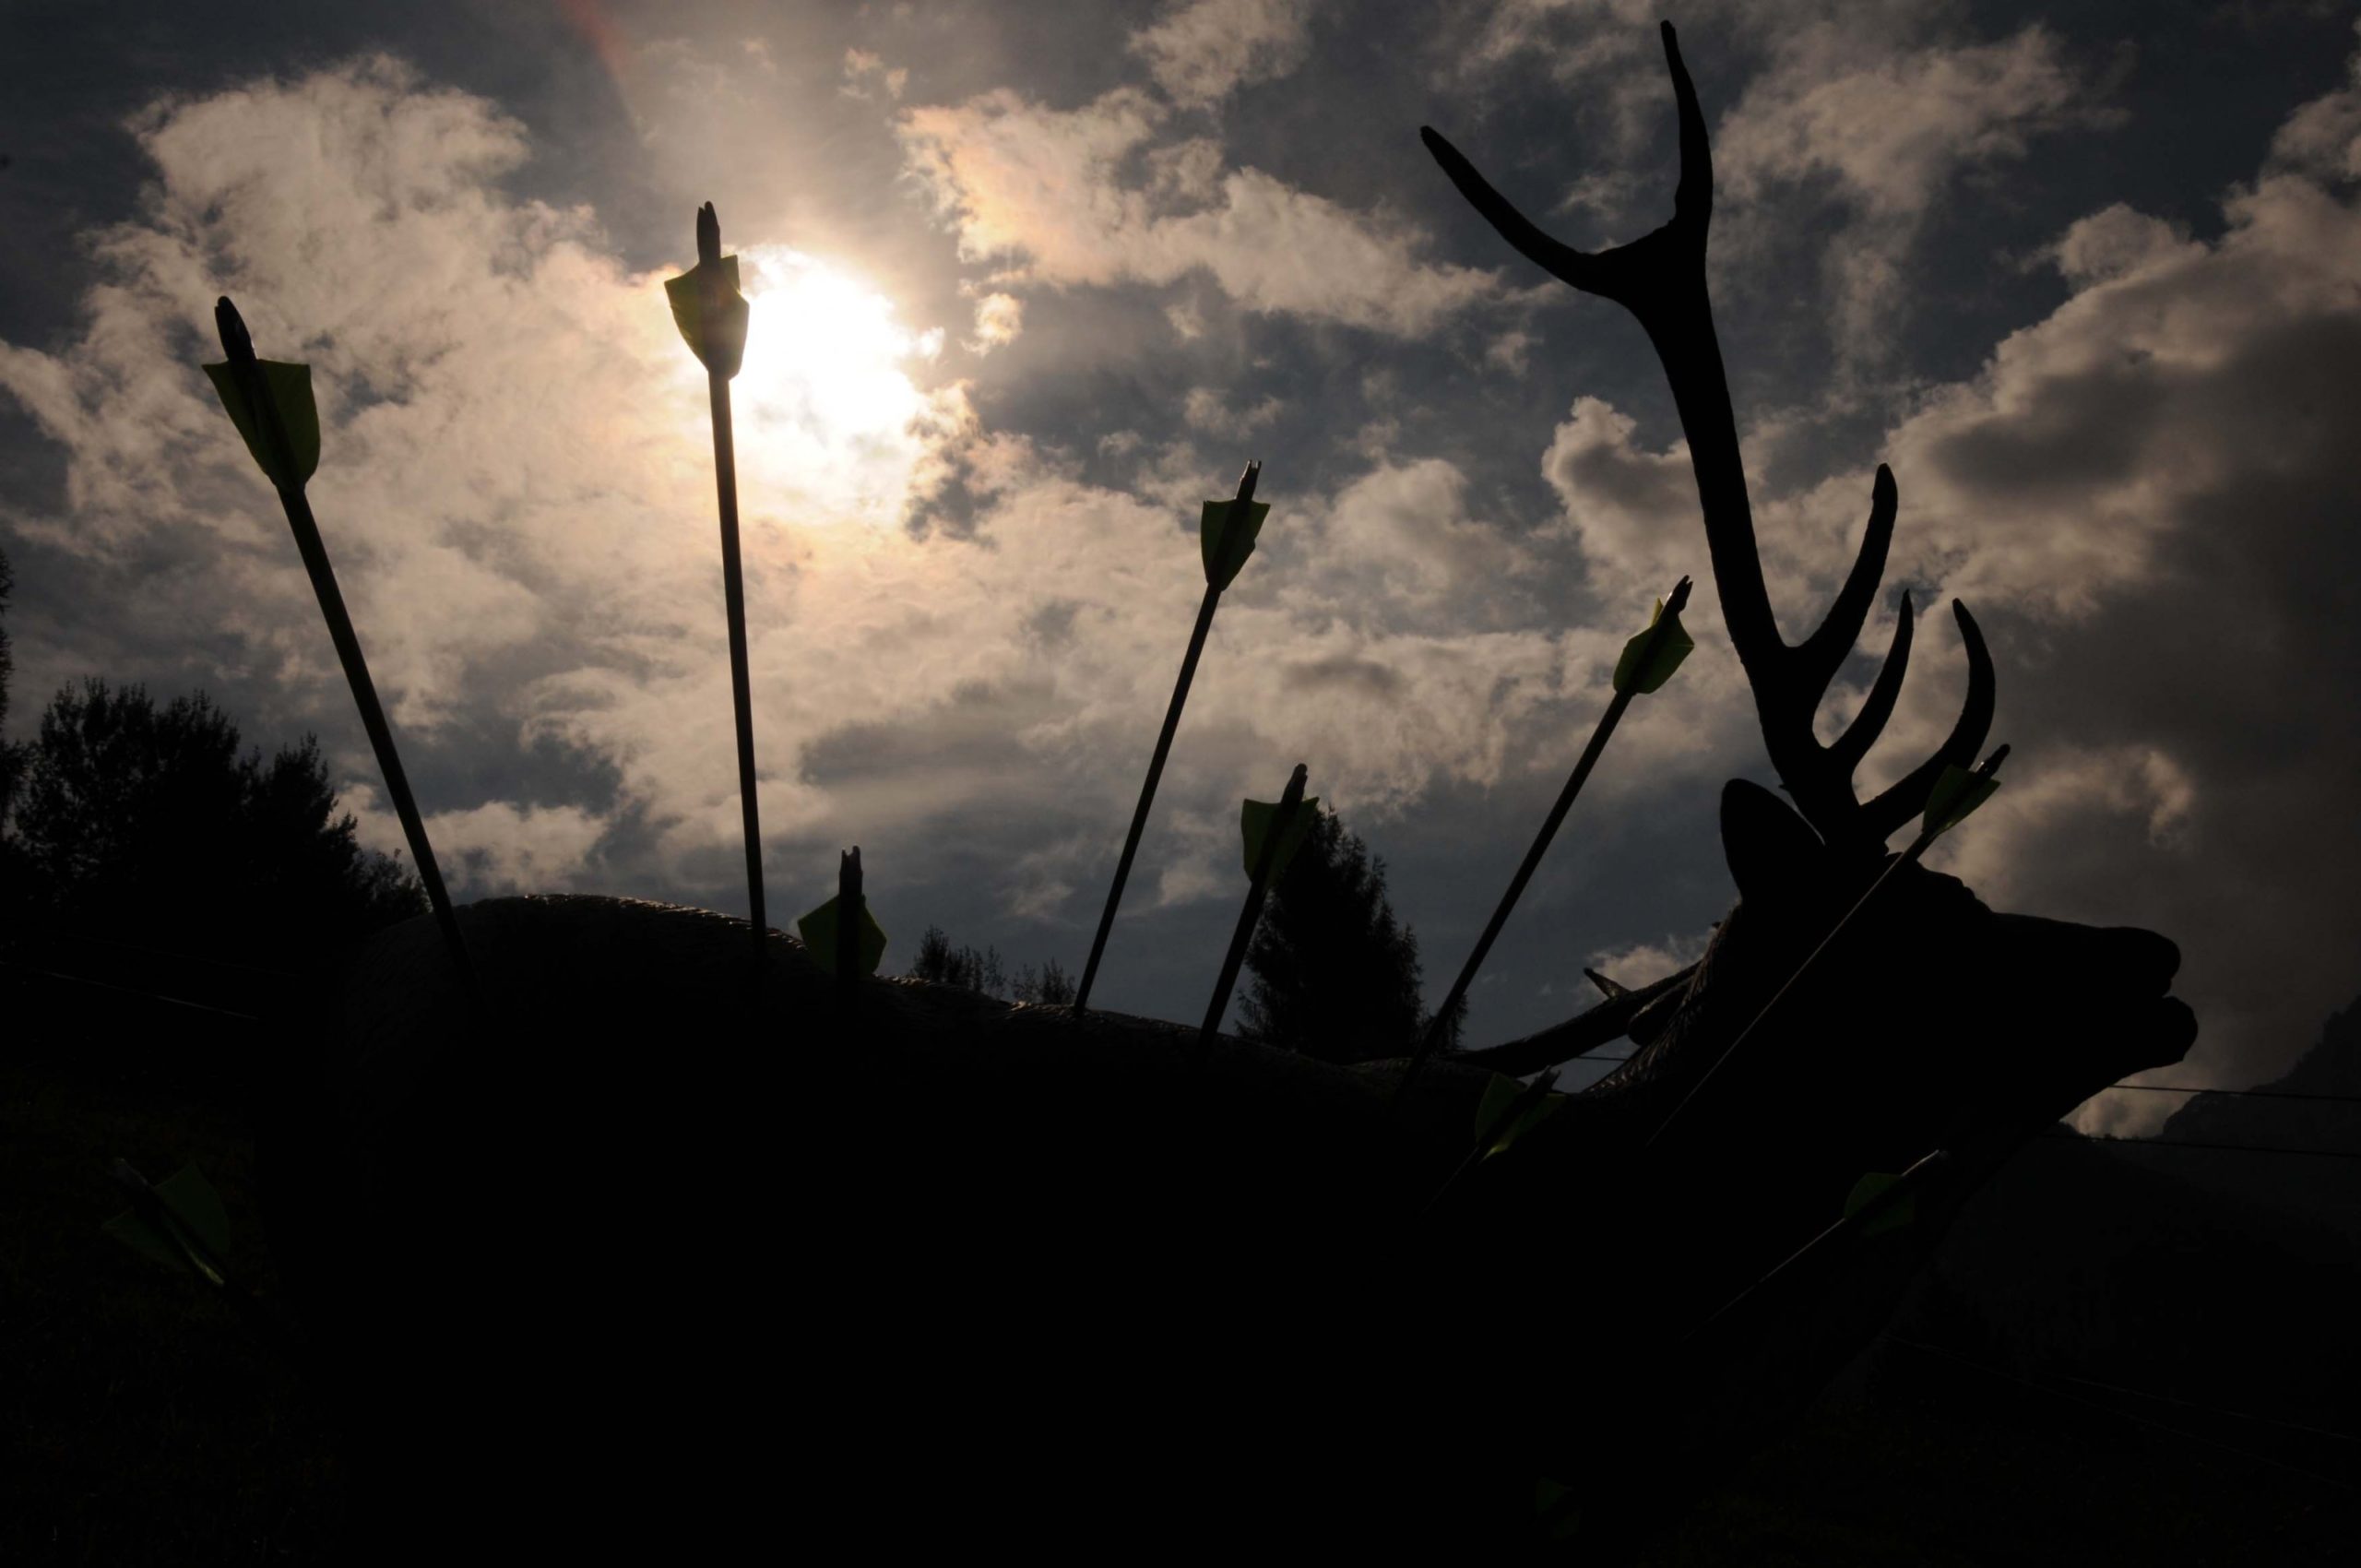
(936, 1270)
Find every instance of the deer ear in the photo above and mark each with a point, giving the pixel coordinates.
(1767, 845)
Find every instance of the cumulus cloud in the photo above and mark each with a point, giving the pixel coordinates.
(497, 848)
(2146, 497)
(1887, 126)
(1200, 51)
(1221, 413)
(999, 318)
(1041, 192)
(866, 74)
(517, 491)
(1877, 109)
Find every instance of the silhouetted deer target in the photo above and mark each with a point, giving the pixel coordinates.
(917, 1270)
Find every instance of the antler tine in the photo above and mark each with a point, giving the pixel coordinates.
(1848, 750)
(1907, 798)
(1692, 198)
(1821, 655)
(1660, 278)
(1562, 261)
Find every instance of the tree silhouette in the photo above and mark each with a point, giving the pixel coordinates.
(11, 762)
(132, 815)
(15, 876)
(937, 960)
(1334, 974)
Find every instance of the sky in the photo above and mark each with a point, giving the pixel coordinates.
(1032, 283)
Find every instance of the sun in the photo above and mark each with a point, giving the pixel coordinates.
(826, 407)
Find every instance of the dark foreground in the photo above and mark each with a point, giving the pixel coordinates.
(143, 1423)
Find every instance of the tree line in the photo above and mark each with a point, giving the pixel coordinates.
(152, 821)
(1333, 973)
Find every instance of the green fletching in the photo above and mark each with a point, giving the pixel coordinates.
(1953, 798)
(1547, 1494)
(1899, 1215)
(720, 344)
(193, 1209)
(818, 930)
(289, 388)
(1650, 658)
(1225, 541)
(1500, 1094)
(1255, 823)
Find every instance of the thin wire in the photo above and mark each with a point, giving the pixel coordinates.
(2216, 1409)
(2192, 1143)
(2239, 1094)
(132, 990)
(2092, 1404)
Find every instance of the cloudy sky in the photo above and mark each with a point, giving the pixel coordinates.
(1030, 283)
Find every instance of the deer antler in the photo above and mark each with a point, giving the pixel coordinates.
(1660, 278)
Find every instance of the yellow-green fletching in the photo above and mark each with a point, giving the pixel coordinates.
(190, 1205)
(1953, 798)
(1545, 1496)
(720, 343)
(1226, 539)
(1255, 823)
(290, 387)
(1650, 658)
(818, 930)
(1899, 1215)
(1499, 1095)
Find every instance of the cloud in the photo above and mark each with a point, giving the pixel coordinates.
(2146, 497)
(1887, 126)
(1643, 963)
(2323, 138)
(866, 73)
(517, 489)
(999, 318)
(1634, 511)
(1876, 110)
(1215, 413)
(497, 848)
(1041, 194)
(1202, 51)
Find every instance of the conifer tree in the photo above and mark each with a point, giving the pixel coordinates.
(1336, 976)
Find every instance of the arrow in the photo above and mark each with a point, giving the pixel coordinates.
(1226, 534)
(712, 316)
(1278, 827)
(1647, 662)
(271, 404)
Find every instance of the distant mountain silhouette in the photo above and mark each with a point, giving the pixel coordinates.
(2323, 1191)
(2085, 1261)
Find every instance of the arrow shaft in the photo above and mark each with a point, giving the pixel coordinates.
(1599, 734)
(1251, 916)
(1902, 1186)
(238, 349)
(733, 587)
(308, 543)
(1907, 857)
(1147, 792)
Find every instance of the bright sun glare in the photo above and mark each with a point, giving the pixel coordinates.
(822, 403)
